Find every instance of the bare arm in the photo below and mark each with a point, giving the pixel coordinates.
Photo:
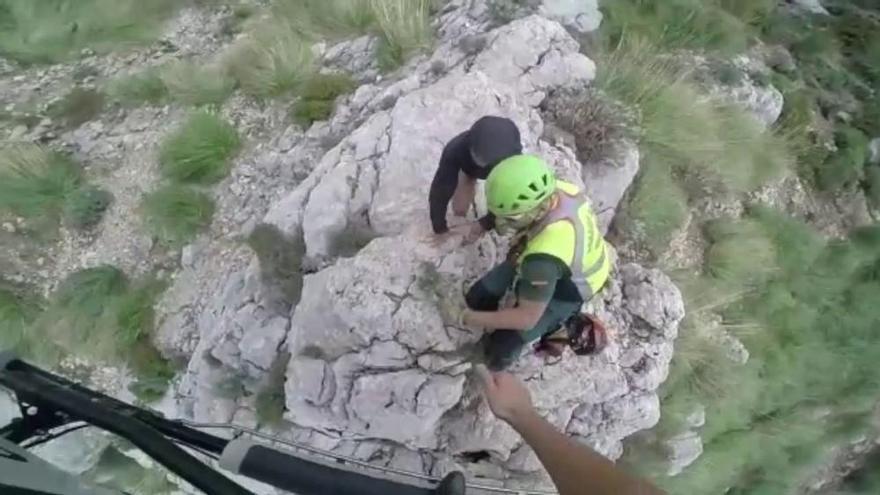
(574, 468)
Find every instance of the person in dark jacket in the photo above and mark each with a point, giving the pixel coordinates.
(466, 158)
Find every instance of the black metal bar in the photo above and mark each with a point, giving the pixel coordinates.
(167, 427)
(49, 391)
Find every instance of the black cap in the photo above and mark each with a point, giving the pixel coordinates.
(493, 139)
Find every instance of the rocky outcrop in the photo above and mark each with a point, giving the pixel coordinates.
(376, 371)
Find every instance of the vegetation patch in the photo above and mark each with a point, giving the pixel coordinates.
(51, 31)
(77, 107)
(84, 207)
(845, 168)
(270, 399)
(596, 121)
(96, 313)
(725, 26)
(741, 252)
(175, 214)
(271, 61)
(692, 146)
(333, 19)
(192, 84)
(200, 151)
(17, 312)
(318, 97)
(404, 28)
(145, 87)
(35, 182)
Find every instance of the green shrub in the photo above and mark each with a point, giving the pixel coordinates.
(35, 182)
(727, 73)
(88, 290)
(657, 208)
(191, 84)
(740, 252)
(270, 400)
(50, 31)
(153, 373)
(200, 151)
(692, 146)
(819, 305)
(77, 107)
(673, 24)
(175, 214)
(318, 96)
(272, 61)
(692, 134)
(327, 18)
(84, 207)
(134, 314)
(404, 29)
(145, 87)
(846, 166)
(16, 314)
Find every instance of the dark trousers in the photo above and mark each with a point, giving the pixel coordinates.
(503, 347)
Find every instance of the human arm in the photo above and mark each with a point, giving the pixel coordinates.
(443, 189)
(538, 278)
(574, 468)
(523, 317)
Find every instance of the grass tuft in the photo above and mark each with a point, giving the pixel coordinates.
(192, 84)
(175, 214)
(318, 96)
(404, 28)
(597, 122)
(741, 253)
(200, 151)
(270, 399)
(331, 19)
(77, 107)
(87, 290)
(270, 62)
(145, 87)
(35, 182)
(84, 207)
(153, 373)
(16, 314)
(846, 166)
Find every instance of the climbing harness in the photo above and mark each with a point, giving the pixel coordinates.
(584, 333)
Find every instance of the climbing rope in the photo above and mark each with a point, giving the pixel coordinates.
(341, 459)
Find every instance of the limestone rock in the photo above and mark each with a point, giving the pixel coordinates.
(607, 179)
(582, 16)
(812, 6)
(682, 451)
(375, 370)
(874, 151)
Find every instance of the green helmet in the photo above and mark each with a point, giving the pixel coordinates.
(518, 185)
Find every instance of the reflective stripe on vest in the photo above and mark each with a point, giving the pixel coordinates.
(585, 253)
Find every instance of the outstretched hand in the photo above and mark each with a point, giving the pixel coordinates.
(507, 396)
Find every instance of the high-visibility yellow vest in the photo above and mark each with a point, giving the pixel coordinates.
(570, 233)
